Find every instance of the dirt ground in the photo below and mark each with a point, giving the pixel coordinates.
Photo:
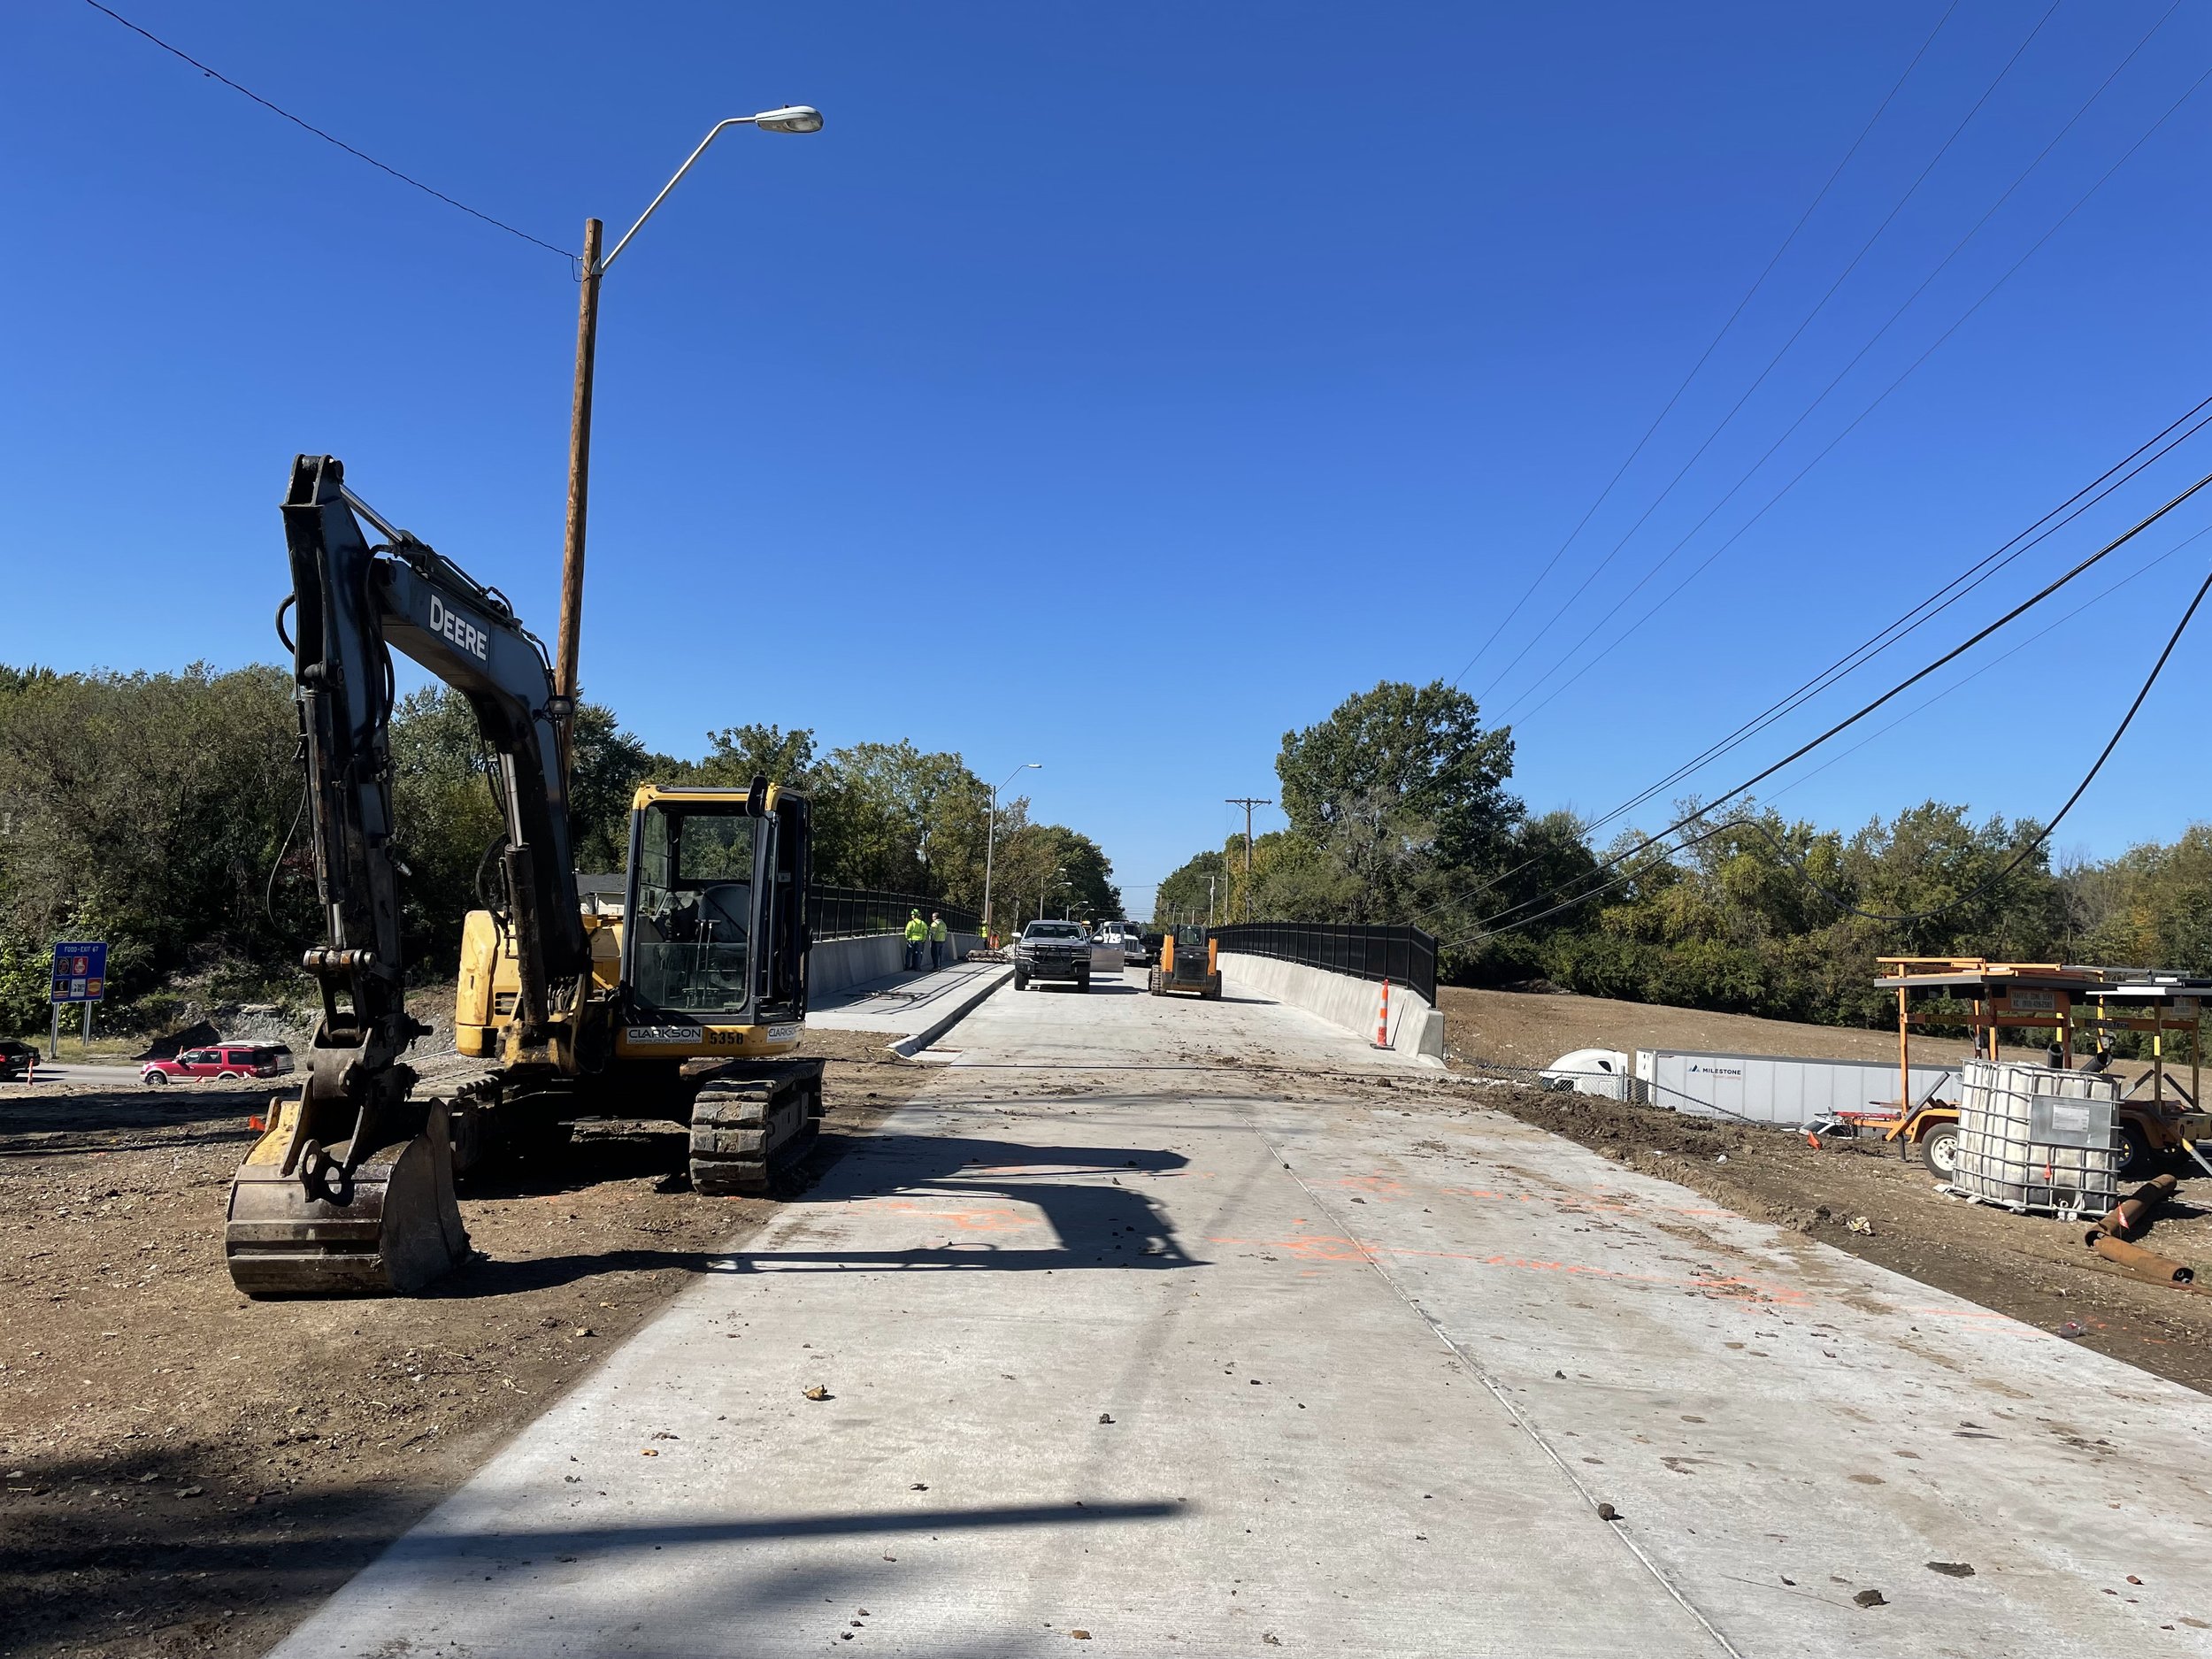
(188, 1471)
(1519, 1028)
(2034, 1269)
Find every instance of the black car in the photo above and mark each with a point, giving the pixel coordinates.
(16, 1060)
(1052, 950)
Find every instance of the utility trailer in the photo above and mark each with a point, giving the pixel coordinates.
(1787, 1091)
(1780, 1089)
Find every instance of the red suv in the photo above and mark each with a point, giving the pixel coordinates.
(228, 1063)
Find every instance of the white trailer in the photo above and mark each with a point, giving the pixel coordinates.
(1782, 1089)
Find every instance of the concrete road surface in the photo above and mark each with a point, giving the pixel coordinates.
(1125, 1331)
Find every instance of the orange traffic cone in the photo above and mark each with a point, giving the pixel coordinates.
(1382, 1019)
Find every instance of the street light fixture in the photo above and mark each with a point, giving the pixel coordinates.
(791, 118)
(990, 835)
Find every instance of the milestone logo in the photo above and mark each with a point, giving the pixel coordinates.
(450, 624)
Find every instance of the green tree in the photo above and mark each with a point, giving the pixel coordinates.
(1185, 895)
(448, 820)
(146, 809)
(1399, 767)
(738, 754)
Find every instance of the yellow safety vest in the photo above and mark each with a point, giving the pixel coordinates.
(938, 931)
(917, 931)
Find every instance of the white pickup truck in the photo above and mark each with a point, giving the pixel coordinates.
(1125, 938)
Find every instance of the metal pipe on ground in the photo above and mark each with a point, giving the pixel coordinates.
(2141, 1263)
(2131, 1216)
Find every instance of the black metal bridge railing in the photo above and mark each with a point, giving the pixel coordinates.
(853, 912)
(1404, 955)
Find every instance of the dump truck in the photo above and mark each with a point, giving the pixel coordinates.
(686, 999)
(1190, 962)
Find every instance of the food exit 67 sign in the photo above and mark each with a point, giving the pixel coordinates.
(81, 972)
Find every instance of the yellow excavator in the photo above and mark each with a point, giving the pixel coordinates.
(684, 1000)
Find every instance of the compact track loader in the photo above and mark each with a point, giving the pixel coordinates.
(1190, 961)
(685, 1001)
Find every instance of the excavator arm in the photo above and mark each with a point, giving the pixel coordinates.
(352, 1187)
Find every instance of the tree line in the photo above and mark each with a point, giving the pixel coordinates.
(1400, 812)
(165, 814)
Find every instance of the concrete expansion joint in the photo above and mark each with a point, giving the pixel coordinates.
(1599, 1509)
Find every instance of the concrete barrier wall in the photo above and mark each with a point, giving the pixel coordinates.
(838, 964)
(1417, 1028)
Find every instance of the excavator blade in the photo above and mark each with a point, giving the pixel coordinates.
(400, 1230)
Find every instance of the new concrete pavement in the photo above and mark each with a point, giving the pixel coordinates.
(1124, 1331)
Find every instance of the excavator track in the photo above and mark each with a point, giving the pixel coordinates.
(749, 1124)
(399, 1229)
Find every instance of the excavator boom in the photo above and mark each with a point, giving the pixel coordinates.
(350, 1189)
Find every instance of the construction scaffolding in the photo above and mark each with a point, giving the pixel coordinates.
(2069, 1001)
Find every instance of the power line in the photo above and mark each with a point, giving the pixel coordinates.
(2098, 490)
(2034, 845)
(1711, 345)
(1844, 724)
(1965, 681)
(1798, 478)
(1773, 363)
(1858, 357)
(327, 138)
(1958, 588)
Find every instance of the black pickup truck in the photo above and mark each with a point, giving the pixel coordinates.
(1052, 950)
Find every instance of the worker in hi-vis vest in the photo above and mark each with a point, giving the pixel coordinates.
(939, 934)
(917, 934)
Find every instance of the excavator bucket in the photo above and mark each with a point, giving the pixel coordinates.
(399, 1230)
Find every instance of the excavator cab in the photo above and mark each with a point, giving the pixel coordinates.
(714, 928)
(704, 954)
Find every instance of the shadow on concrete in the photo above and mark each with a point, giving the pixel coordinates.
(1095, 1221)
(99, 1553)
(958, 1190)
(421, 1546)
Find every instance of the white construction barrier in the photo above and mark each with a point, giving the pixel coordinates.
(1417, 1026)
(837, 964)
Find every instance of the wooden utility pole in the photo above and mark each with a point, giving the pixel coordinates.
(579, 470)
(1247, 802)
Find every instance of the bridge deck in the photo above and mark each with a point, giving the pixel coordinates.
(1168, 1322)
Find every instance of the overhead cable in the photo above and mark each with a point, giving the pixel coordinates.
(1899, 689)
(360, 155)
(1711, 346)
(1773, 362)
(2035, 843)
(1964, 680)
(1858, 357)
(2120, 472)
(1950, 593)
(1883, 397)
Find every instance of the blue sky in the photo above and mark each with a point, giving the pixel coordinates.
(1248, 354)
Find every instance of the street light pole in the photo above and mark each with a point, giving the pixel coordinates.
(990, 836)
(797, 117)
(578, 466)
